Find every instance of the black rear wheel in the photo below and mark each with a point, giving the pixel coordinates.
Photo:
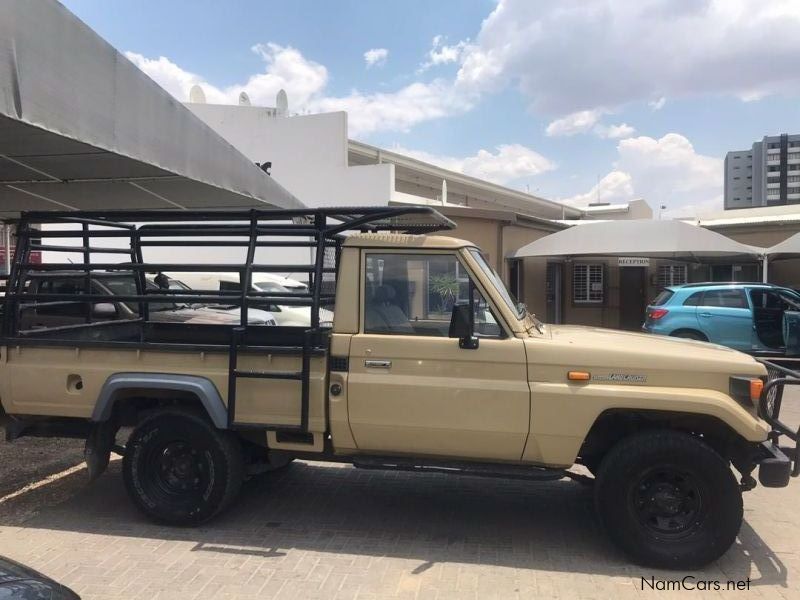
(690, 335)
(668, 500)
(179, 469)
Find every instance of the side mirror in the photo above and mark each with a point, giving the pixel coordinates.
(461, 326)
(104, 310)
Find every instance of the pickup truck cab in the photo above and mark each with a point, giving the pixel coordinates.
(430, 365)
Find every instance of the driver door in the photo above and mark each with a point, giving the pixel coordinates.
(411, 388)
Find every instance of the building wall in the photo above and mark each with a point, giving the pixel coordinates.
(739, 180)
(766, 175)
(308, 154)
(608, 313)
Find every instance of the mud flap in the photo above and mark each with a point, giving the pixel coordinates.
(97, 451)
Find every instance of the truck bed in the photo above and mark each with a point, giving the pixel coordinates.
(80, 360)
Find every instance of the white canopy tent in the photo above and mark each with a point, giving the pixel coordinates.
(788, 248)
(657, 239)
(81, 127)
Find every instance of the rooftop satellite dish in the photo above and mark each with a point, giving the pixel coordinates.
(244, 99)
(282, 103)
(197, 95)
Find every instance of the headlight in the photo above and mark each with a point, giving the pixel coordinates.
(746, 390)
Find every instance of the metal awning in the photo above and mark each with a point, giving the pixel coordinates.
(81, 127)
(657, 239)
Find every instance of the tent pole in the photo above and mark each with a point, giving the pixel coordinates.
(7, 244)
(764, 269)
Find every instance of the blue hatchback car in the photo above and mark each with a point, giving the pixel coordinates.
(751, 317)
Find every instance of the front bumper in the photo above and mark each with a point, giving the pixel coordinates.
(774, 467)
(777, 462)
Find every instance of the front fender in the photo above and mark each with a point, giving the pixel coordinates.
(563, 413)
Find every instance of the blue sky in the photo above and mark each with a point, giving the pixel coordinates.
(573, 100)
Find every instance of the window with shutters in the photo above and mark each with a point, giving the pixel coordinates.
(671, 275)
(587, 283)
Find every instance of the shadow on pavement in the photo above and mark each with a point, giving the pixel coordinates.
(429, 518)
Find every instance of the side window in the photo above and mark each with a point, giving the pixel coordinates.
(414, 294)
(62, 286)
(230, 286)
(695, 299)
(587, 283)
(725, 298)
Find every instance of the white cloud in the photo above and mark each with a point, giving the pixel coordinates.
(580, 55)
(305, 82)
(286, 68)
(574, 123)
(506, 163)
(376, 57)
(442, 54)
(657, 104)
(664, 171)
(614, 132)
(588, 121)
(617, 186)
(396, 111)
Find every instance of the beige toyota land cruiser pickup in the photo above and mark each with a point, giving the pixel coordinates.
(430, 365)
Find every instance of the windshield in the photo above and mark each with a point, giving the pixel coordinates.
(126, 286)
(498, 283)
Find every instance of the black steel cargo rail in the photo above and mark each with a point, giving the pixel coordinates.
(320, 231)
(770, 404)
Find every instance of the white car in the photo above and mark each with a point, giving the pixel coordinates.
(285, 315)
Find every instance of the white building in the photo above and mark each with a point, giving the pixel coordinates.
(313, 158)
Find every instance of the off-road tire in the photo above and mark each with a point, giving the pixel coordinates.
(642, 492)
(181, 470)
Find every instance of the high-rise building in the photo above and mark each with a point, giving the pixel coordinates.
(766, 175)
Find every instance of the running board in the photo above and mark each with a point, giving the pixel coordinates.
(503, 471)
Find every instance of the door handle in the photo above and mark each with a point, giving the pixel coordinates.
(706, 315)
(378, 364)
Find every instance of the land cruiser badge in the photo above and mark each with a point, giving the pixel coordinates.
(620, 378)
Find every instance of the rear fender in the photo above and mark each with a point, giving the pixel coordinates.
(200, 387)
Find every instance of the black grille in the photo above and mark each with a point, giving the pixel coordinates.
(339, 363)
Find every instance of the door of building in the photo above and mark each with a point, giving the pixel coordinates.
(553, 292)
(631, 297)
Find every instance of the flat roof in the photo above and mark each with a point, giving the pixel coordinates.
(504, 197)
(761, 215)
(81, 127)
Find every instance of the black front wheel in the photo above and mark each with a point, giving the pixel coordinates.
(179, 469)
(668, 500)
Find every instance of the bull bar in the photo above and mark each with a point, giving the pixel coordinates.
(781, 460)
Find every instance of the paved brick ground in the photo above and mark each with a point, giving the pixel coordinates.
(329, 531)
